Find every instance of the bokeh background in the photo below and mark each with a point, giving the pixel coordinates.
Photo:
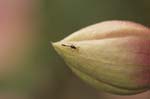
(29, 66)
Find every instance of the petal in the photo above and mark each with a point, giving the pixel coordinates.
(109, 29)
(112, 61)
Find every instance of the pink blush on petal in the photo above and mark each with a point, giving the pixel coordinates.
(140, 48)
(142, 77)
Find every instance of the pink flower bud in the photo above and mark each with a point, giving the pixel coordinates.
(113, 56)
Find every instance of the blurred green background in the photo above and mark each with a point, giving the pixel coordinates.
(29, 66)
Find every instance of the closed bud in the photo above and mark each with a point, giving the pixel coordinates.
(113, 56)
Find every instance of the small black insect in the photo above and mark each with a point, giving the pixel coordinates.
(71, 46)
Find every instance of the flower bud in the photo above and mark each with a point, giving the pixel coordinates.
(113, 56)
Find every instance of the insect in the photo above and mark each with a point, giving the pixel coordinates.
(71, 46)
